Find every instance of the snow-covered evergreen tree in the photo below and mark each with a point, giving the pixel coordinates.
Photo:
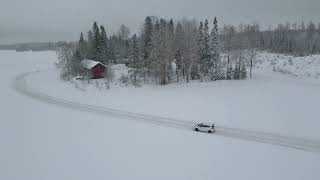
(171, 28)
(243, 74)
(215, 51)
(134, 61)
(171, 50)
(110, 51)
(134, 53)
(229, 72)
(104, 46)
(97, 48)
(147, 44)
(123, 32)
(237, 71)
(155, 55)
(201, 46)
(82, 47)
(90, 46)
(206, 49)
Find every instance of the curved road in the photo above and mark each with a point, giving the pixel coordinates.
(20, 85)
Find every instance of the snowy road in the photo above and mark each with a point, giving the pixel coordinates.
(20, 85)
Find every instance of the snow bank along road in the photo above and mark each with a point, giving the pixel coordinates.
(20, 85)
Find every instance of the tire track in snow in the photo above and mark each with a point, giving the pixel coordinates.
(305, 144)
(20, 85)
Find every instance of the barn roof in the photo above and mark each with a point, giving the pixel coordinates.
(87, 63)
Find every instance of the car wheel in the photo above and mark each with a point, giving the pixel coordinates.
(196, 129)
(209, 131)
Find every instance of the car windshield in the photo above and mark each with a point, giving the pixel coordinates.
(202, 125)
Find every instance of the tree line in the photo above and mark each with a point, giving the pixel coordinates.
(296, 39)
(163, 52)
(167, 51)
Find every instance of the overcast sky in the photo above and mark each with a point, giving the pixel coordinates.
(52, 20)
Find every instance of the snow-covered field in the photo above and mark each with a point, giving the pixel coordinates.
(270, 102)
(43, 141)
(298, 67)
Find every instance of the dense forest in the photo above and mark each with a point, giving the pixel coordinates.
(295, 39)
(167, 51)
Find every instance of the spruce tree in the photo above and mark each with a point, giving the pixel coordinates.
(171, 50)
(104, 46)
(243, 74)
(237, 72)
(134, 52)
(215, 51)
(90, 46)
(97, 50)
(82, 47)
(229, 72)
(171, 37)
(200, 45)
(171, 27)
(147, 44)
(164, 51)
(206, 51)
(110, 51)
(134, 60)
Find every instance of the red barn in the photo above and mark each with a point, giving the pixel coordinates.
(94, 69)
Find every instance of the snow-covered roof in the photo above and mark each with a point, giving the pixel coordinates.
(87, 63)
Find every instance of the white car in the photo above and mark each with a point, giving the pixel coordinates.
(204, 128)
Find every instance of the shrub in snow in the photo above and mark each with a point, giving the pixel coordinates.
(283, 71)
(107, 86)
(230, 72)
(124, 79)
(135, 77)
(243, 73)
(195, 75)
(237, 72)
(274, 69)
(290, 61)
(273, 63)
(218, 75)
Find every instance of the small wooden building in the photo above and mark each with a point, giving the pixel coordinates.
(93, 69)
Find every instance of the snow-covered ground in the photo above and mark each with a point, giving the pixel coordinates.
(298, 67)
(270, 101)
(43, 141)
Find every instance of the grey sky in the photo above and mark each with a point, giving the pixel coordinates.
(51, 20)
